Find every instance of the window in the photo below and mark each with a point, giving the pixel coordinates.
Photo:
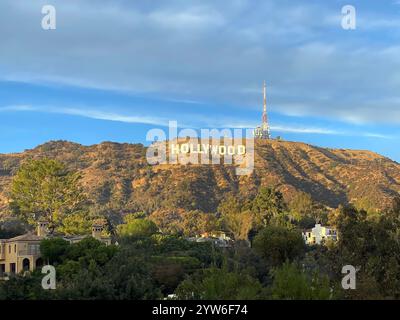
(2, 269)
(15, 248)
(33, 249)
(9, 248)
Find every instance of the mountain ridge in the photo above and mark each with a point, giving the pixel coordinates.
(116, 176)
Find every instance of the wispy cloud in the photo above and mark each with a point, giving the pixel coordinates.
(193, 121)
(109, 116)
(89, 113)
(199, 17)
(310, 130)
(17, 108)
(378, 135)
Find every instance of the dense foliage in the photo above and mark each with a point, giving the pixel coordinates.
(45, 189)
(154, 257)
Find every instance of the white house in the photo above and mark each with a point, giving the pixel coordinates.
(319, 234)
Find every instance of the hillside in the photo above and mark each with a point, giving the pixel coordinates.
(118, 179)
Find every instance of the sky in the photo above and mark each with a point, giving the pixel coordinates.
(112, 70)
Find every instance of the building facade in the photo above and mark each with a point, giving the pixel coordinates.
(219, 238)
(319, 235)
(19, 254)
(22, 253)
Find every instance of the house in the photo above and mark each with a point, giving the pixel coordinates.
(219, 238)
(319, 234)
(217, 235)
(22, 253)
(97, 231)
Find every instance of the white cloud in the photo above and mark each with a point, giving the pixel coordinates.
(210, 51)
(378, 135)
(101, 115)
(305, 130)
(197, 18)
(89, 113)
(184, 121)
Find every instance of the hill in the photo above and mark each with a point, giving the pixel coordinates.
(118, 179)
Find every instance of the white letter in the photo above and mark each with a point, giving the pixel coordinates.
(349, 280)
(157, 152)
(349, 18)
(241, 149)
(49, 280)
(173, 136)
(187, 157)
(174, 149)
(216, 137)
(245, 157)
(49, 20)
(184, 148)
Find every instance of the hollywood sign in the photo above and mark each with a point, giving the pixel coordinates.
(186, 148)
(225, 144)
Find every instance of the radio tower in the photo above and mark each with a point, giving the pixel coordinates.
(263, 132)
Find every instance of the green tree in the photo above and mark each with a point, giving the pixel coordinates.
(195, 222)
(130, 276)
(373, 246)
(52, 250)
(168, 221)
(267, 205)
(236, 218)
(290, 283)
(220, 284)
(12, 227)
(353, 230)
(89, 249)
(278, 244)
(136, 227)
(45, 189)
(20, 287)
(76, 224)
(123, 275)
(301, 206)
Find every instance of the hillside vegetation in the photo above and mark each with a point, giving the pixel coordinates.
(118, 179)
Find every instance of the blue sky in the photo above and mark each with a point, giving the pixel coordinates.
(112, 70)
